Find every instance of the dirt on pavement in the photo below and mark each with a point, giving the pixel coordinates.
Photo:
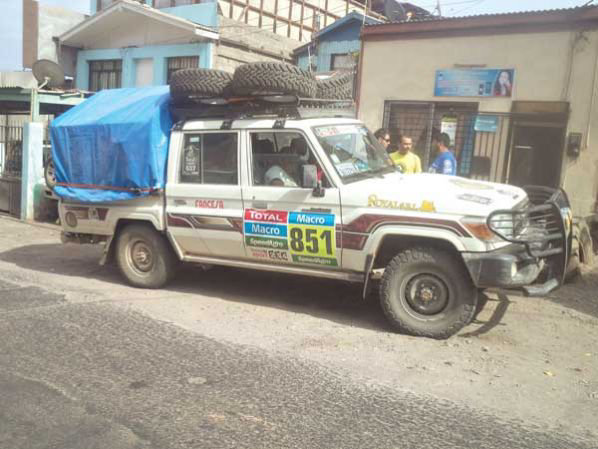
(534, 359)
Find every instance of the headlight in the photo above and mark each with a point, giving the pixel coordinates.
(479, 229)
(567, 219)
(509, 225)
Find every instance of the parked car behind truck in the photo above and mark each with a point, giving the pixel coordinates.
(430, 242)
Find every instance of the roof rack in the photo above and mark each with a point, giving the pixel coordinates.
(265, 106)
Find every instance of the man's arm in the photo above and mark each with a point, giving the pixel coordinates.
(418, 164)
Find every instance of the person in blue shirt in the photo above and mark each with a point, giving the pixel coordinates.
(445, 163)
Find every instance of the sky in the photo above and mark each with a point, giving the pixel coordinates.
(470, 7)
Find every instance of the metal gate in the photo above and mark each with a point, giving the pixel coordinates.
(11, 161)
(480, 141)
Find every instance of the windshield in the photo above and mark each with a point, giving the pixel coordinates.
(354, 151)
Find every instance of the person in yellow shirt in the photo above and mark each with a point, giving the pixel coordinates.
(405, 158)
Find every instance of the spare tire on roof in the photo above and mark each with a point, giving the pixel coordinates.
(272, 78)
(190, 84)
(338, 87)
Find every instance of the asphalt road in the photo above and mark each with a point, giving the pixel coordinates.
(95, 375)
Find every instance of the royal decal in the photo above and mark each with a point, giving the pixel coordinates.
(425, 206)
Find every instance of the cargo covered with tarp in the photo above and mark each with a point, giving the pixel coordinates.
(113, 146)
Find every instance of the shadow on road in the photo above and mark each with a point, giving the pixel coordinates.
(331, 300)
(581, 294)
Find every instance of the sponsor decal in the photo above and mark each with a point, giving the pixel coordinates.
(277, 255)
(475, 199)
(210, 204)
(266, 229)
(265, 242)
(315, 260)
(259, 253)
(471, 185)
(425, 206)
(270, 216)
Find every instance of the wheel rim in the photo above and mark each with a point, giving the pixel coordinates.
(140, 257)
(425, 294)
(51, 173)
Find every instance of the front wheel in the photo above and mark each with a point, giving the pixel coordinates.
(427, 292)
(144, 256)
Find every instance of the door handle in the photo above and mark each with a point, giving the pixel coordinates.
(260, 205)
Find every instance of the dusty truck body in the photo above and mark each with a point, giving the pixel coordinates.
(305, 190)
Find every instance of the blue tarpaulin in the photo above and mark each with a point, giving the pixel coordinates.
(113, 146)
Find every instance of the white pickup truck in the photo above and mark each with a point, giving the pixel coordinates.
(315, 195)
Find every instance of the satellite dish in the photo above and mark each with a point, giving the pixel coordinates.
(48, 73)
(394, 11)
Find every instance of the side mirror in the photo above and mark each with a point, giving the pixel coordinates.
(310, 180)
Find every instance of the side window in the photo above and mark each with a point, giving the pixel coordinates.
(210, 158)
(278, 157)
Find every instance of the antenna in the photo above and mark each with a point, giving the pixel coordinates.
(394, 10)
(48, 73)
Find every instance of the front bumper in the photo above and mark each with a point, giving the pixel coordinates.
(509, 267)
(536, 260)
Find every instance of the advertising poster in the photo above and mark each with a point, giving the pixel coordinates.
(474, 83)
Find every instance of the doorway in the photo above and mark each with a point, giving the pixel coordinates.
(536, 155)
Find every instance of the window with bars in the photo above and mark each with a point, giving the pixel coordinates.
(181, 62)
(105, 74)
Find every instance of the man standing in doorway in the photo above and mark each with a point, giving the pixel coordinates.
(404, 158)
(445, 163)
(383, 137)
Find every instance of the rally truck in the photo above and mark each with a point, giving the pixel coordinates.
(298, 187)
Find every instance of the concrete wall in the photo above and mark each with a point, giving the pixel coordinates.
(240, 44)
(159, 53)
(405, 70)
(54, 21)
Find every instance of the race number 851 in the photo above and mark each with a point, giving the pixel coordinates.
(313, 241)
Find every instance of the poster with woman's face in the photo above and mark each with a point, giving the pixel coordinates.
(474, 83)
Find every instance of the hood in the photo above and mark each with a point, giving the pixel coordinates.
(432, 193)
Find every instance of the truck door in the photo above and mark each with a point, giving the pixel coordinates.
(283, 222)
(204, 207)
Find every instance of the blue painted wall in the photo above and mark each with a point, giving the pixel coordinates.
(344, 39)
(159, 53)
(205, 14)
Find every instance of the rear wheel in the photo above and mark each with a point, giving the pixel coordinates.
(427, 292)
(145, 257)
(50, 175)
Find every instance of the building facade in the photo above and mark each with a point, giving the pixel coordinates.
(516, 93)
(336, 46)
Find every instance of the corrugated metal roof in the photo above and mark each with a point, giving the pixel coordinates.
(23, 80)
(497, 15)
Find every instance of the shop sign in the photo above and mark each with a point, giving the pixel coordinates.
(474, 83)
(486, 123)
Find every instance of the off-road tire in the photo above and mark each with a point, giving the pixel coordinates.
(154, 274)
(273, 78)
(438, 264)
(195, 84)
(337, 87)
(50, 174)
